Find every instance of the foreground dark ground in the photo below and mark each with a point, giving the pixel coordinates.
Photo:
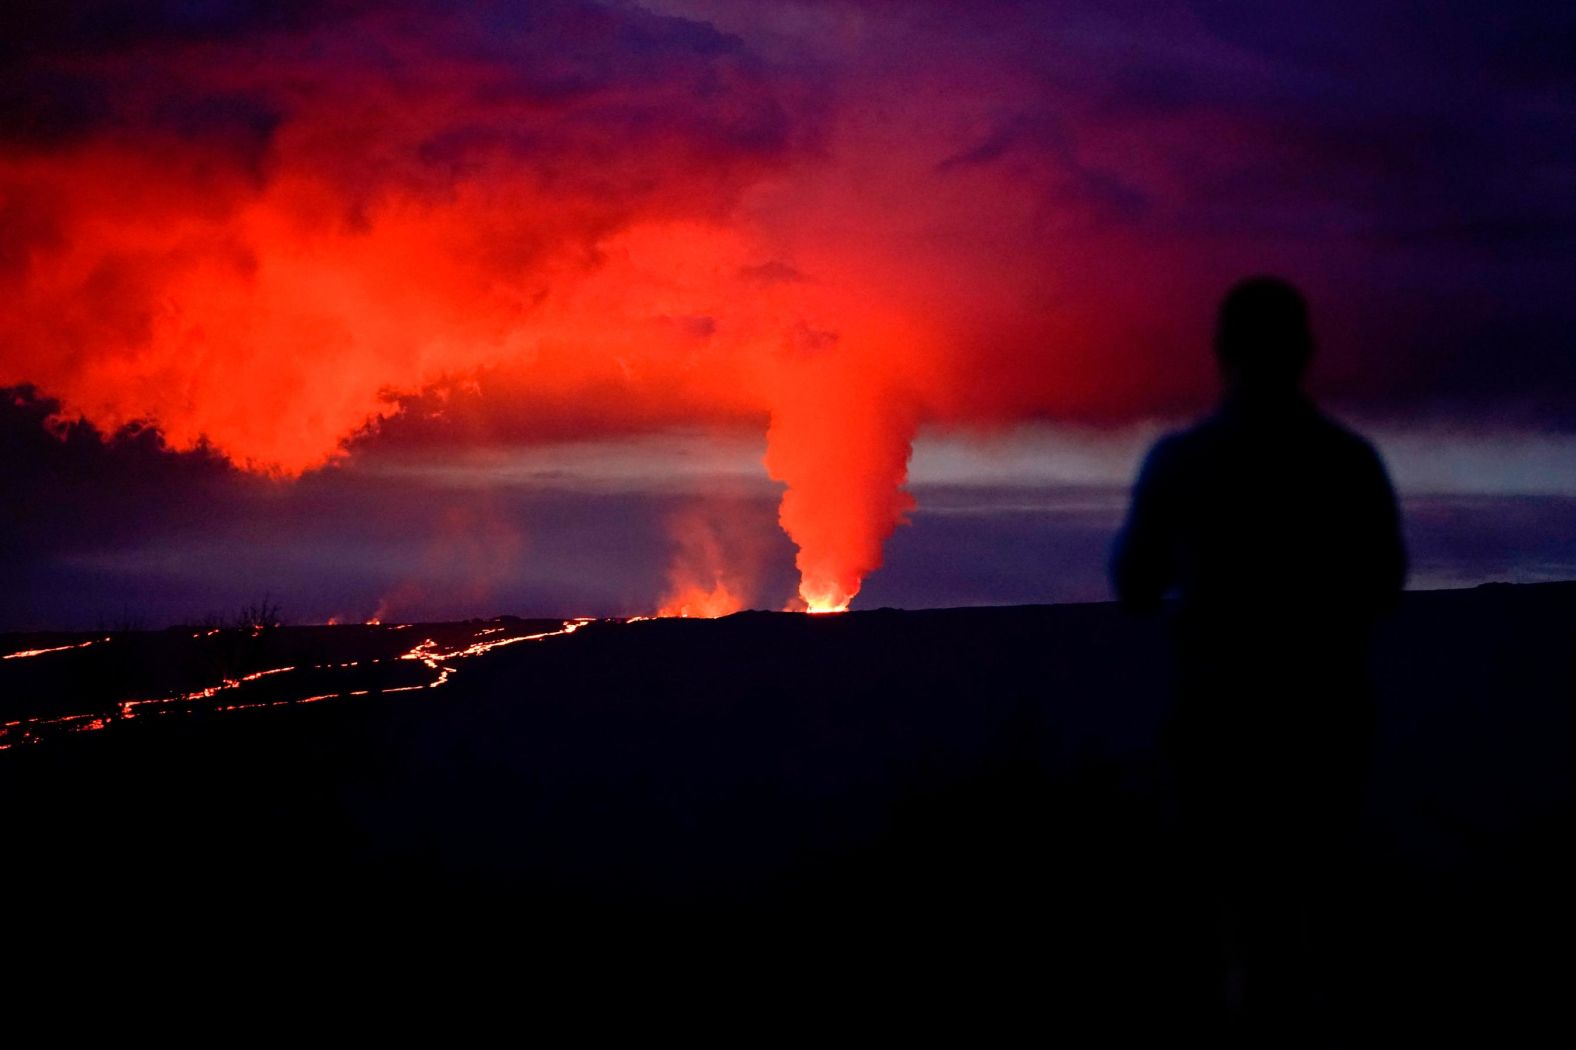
(956, 814)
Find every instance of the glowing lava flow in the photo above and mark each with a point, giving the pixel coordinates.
(56, 649)
(128, 707)
(429, 653)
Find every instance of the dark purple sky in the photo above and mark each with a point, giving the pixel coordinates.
(450, 311)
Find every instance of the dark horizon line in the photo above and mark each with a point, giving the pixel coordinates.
(107, 632)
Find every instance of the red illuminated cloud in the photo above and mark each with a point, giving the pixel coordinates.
(260, 235)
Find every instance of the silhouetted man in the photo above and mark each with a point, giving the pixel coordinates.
(1276, 528)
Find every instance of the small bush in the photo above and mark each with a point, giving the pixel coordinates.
(258, 615)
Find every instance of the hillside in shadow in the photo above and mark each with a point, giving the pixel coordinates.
(952, 812)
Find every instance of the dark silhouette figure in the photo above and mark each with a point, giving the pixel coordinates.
(1276, 529)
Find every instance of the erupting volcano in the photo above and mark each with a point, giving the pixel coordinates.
(610, 222)
(290, 239)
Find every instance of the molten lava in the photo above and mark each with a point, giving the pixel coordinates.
(27, 653)
(282, 686)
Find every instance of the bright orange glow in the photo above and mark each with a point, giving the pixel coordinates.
(703, 604)
(829, 599)
(714, 563)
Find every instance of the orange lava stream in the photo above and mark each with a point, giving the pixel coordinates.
(56, 649)
(427, 652)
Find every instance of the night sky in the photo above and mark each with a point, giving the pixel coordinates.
(419, 310)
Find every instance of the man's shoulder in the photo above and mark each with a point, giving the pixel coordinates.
(1343, 439)
(1188, 441)
(1224, 434)
(1172, 452)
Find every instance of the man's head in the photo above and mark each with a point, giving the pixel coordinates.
(1262, 337)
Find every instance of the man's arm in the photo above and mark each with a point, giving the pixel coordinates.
(1143, 557)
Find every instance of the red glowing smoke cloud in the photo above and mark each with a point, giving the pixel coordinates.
(705, 578)
(631, 216)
